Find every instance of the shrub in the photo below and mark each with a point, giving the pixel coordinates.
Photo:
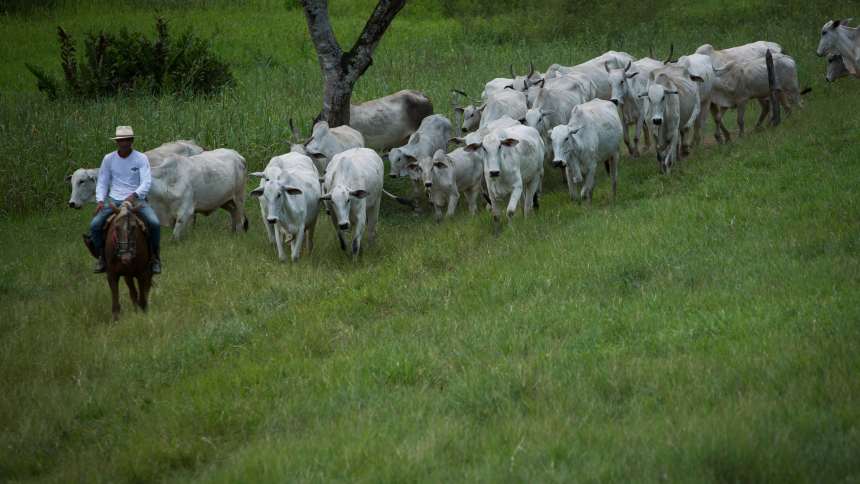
(129, 62)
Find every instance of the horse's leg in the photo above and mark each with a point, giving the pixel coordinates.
(132, 290)
(145, 283)
(113, 282)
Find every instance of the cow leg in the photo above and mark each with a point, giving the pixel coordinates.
(721, 133)
(452, 203)
(497, 219)
(296, 243)
(646, 131)
(337, 230)
(625, 131)
(270, 233)
(309, 238)
(588, 186)
(516, 194)
(699, 132)
(742, 108)
(113, 282)
(372, 221)
(185, 215)
(132, 291)
(783, 101)
(614, 163)
(765, 110)
(572, 189)
(637, 135)
(279, 243)
(472, 199)
(417, 192)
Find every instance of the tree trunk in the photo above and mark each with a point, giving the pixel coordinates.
(341, 69)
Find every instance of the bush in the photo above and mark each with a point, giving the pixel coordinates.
(129, 62)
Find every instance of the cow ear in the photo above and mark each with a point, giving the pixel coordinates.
(835, 24)
(473, 147)
(292, 190)
(509, 86)
(358, 193)
(457, 141)
(68, 178)
(327, 196)
(697, 78)
(644, 95)
(480, 108)
(258, 174)
(671, 92)
(541, 83)
(412, 166)
(510, 142)
(459, 109)
(439, 164)
(257, 192)
(630, 76)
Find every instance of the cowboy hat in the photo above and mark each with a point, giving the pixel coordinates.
(123, 132)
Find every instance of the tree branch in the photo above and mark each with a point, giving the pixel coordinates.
(328, 50)
(359, 57)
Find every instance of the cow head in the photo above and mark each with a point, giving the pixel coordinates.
(471, 116)
(619, 80)
(564, 144)
(657, 96)
(412, 166)
(493, 146)
(280, 199)
(829, 37)
(437, 171)
(835, 68)
(341, 199)
(83, 183)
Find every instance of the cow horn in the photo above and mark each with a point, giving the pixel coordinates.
(651, 51)
(629, 63)
(606, 66)
(671, 53)
(511, 67)
(294, 131)
(531, 69)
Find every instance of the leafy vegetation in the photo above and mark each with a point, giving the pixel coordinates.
(130, 63)
(700, 327)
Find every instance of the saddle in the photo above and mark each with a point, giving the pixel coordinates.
(135, 220)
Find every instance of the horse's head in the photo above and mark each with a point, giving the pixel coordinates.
(125, 232)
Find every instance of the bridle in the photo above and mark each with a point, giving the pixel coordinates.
(125, 245)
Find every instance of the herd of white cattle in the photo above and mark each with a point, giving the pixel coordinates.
(568, 117)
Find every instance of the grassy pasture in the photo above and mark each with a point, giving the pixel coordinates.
(701, 327)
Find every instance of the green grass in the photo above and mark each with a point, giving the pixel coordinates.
(701, 327)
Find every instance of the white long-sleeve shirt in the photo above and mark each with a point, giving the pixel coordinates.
(123, 176)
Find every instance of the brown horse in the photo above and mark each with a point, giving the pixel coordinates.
(127, 254)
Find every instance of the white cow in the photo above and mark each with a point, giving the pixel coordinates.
(507, 102)
(672, 109)
(432, 135)
(579, 83)
(84, 180)
(326, 142)
(741, 53)
(388, 121)
(182, 147)
(595, 69)
(593, 135)
(515, 82)
(552, 107)
(742, 81)
(628, 84)
(447, 175)
(353, 191)
(512, 160)
(289, 194)
(838, 38)
(185, 185)
(701, 68)
(835, 68)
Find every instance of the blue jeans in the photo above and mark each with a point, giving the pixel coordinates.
(145, 212)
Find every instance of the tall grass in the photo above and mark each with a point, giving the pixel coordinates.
(701, 327)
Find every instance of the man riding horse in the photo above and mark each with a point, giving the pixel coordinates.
(124, 176)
